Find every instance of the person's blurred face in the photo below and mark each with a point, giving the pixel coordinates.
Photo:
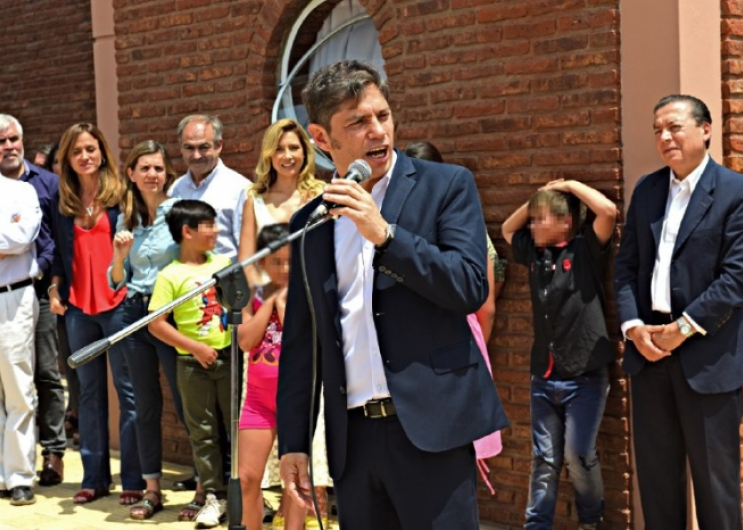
(276, 266)
(547, 228)
(288, 158)
(680, 141)
(149, 174)
(204, 238)
(363, 131)
(85, 156)
(11, 152)
(199, 150)
(39, 159)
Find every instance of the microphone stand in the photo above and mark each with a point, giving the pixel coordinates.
(233, 293)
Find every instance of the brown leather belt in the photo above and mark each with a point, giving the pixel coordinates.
(377, 408)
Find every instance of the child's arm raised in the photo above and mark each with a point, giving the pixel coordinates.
(516, 221)
(164, 330)
(605, 210)
(253, 327)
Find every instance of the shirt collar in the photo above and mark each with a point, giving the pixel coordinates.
(208, 178)
(692, 179)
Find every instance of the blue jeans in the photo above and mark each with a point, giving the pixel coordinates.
(145, 354)
(565, 419)
(82, 330)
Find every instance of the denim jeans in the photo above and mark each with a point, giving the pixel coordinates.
(145, 354)
(48, 383)
(82, 330)
(565, 419)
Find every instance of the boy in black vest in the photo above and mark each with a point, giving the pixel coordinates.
(571, 350)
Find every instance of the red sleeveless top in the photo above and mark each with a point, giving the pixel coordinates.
(92, 252)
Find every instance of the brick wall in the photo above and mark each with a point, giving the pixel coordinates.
(46, 76)
(520, 91)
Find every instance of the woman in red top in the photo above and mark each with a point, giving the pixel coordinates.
(89, 194)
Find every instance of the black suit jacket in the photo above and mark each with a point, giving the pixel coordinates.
(431, 276)
(706, 273)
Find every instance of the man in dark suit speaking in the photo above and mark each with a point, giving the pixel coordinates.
(679, 290)
(391, 280)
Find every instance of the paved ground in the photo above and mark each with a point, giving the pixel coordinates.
(54, 509)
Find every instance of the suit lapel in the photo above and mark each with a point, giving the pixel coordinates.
(399, 188)
(323, 246)
(699, 203)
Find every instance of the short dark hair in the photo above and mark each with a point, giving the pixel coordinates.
(335, 84)
(271, 233)
(190, 213)
(699, 110)
(424, 151)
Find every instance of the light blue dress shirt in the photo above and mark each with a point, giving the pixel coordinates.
(152, 250)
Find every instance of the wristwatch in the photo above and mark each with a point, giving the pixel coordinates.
(684, 327)
(388, 238)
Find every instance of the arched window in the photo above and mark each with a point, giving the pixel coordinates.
(347, 32)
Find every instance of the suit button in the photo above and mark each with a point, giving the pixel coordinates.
(343, 390)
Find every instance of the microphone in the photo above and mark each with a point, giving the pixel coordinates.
(358, 171)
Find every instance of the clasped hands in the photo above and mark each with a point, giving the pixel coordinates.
(656, 342)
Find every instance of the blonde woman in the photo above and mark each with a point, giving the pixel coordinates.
(90, 191)
(284, 182)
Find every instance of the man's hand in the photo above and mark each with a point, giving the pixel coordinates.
(293, 469)
(357, 204)
(205, 355)
(669, 337)
(643, 336)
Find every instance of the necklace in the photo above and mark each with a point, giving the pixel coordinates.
(90, 210)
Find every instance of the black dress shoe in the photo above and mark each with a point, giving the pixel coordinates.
(52, 470)
(22, 495)
(188, 484)
(268, 511)
(4, 494)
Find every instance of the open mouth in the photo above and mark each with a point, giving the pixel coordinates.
(378, 153)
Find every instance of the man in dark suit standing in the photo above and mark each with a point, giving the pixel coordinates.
(679, 291)
(391, 281)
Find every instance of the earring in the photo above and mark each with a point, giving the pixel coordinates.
(103, 162)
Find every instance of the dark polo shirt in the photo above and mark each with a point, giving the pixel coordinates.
(566, 281)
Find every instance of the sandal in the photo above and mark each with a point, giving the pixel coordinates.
(129, 497)
(85, 496)
(190, 510)
(151, 503)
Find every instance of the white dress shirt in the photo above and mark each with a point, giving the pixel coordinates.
(224, 189)
(365, 378)
(20, 219)
(679, 194)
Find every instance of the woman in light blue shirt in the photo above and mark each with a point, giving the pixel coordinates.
(142, 247)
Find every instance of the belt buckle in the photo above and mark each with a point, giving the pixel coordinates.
(7, 288)
(372, 416)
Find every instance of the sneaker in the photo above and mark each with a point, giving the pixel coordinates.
(268, 511)
(212, 513)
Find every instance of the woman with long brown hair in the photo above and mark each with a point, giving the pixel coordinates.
(142, 247)
(90, 191)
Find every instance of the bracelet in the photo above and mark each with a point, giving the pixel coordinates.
(51, 286)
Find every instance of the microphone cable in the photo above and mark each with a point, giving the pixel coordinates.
(311, 430)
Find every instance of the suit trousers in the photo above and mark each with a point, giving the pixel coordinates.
(389, 483)
(19, 310)
(48, 383)
(672, 422)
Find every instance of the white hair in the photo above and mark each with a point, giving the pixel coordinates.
(6, 120)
